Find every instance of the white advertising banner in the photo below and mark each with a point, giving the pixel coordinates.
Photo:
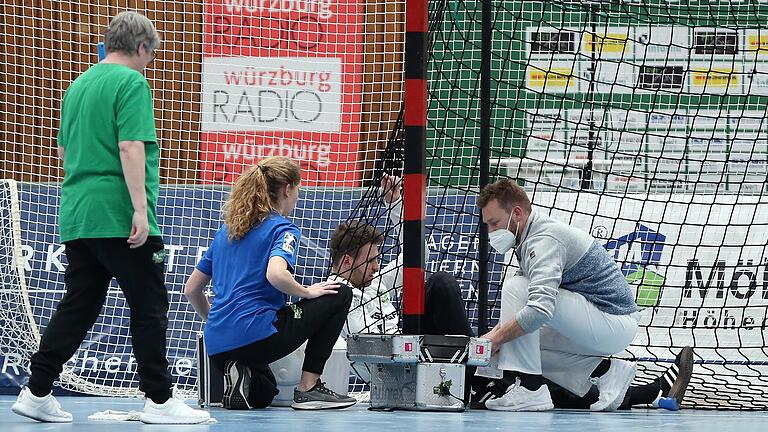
(697, 264)
(271, 93)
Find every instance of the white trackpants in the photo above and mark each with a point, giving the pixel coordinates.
(569, 348)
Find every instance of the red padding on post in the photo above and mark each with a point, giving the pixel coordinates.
(413, 291)
(416, 15)
(415, 102)
(414, 197)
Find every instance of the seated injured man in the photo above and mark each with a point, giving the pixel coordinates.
(356, 264)
(563, 313)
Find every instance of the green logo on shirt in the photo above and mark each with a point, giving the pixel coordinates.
(158, 257)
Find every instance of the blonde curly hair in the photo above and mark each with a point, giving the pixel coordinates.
(256, 193)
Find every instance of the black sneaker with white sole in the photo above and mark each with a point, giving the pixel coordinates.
(237, 383)
(484, 389)
(320, 397)
(678, 376)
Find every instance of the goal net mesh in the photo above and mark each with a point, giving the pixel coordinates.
(640, 122)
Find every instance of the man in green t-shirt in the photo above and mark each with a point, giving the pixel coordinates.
(108, 224)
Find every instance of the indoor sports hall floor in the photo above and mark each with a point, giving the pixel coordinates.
(358, 419)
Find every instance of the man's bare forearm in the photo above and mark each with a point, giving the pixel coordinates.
(133, 160)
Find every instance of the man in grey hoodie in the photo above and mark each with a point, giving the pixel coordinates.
(567, 308)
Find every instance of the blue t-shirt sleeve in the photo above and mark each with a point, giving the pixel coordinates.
(206, 262)
(286, 245)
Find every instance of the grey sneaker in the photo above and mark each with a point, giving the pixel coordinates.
(320, 397)
(237, 386)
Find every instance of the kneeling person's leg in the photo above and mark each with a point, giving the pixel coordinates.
(327, 316)
(321, 321)
(318, 322)
(520, 359)
(575, 342)
(524, 353)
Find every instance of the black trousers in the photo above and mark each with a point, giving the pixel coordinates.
(444, 310)
(92, 263)
(319, 324)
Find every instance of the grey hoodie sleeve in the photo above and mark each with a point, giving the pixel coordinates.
(544, 259)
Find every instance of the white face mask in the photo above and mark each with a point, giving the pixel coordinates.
(503, 239)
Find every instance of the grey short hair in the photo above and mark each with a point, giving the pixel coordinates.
(128, 31)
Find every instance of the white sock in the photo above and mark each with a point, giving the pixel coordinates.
(655, 402)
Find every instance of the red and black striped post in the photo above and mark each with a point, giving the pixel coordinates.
(414, 174)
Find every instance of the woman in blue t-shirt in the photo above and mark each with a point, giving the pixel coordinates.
(251, 262)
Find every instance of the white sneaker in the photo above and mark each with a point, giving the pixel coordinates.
(613, 385)
(519, 398)
(44, 409)
(173, 411)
